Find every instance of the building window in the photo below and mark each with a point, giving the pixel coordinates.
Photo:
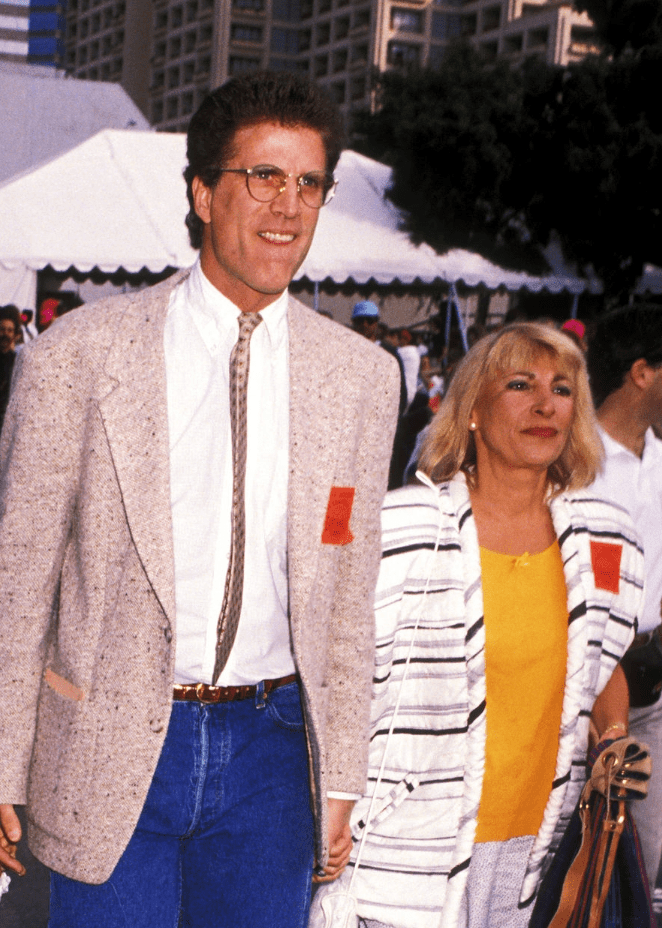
(241, 32)
(362, 19)
(252, 6)
(173, 78)
(323, 6)
(287, 10)
(445, 25)
(204, 64)
(323, 34)
(285, 41)
(537, 39)
(175, 47)
(341, 27)
(491, 18)
(306, 7)
(95, 25)
(157, 111)
(338, 92)
(304, 40)
(188, 72)
(187, 103)
(357, 88)
(339, 60)
(205, 33)
(241, 65)
(403, 20)
(191, 11)
(360, 54)
(159, 80)
(189, 42)
(321, 65)
(84, 28)
(172, 108)
(403, 54)
(176, 17)
(512, 44)
(468, 24)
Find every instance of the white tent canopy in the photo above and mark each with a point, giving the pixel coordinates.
(118, 201)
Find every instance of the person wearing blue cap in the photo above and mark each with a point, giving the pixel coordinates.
(365, 319)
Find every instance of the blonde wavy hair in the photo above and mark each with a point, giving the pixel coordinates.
(450, 447)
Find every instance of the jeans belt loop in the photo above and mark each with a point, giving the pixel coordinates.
(260, 696)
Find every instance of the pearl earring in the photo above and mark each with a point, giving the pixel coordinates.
(473, 426)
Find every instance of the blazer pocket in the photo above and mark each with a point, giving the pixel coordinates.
(62, 686)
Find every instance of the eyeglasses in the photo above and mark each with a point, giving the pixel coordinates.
(265, 182)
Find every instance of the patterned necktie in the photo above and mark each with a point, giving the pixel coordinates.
(234, 581)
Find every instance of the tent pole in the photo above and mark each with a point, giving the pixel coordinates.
(316, 299)
(575, 306)
(460, 320)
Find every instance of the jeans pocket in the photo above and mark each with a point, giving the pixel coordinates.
(284, 707)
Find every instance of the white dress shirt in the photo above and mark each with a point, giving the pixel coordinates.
(200, 332)
(636, 485)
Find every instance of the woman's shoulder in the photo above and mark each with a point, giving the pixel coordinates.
(591, 513)
(413, 517)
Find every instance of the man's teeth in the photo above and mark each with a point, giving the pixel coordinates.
(277, 236)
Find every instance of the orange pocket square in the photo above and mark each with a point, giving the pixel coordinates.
(338, 512)
(606, 561)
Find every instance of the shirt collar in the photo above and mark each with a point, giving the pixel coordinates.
(210, 307)
(613, 447)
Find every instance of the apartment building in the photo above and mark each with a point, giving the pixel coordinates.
(14, 29)
(169, 53)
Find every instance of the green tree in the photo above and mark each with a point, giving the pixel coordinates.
(497, 160)
(625, 24)
(454, 138)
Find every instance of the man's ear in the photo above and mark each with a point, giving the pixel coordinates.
(641, 373)
(202, 199)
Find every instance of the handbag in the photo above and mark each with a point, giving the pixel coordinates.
(597, 877)
(642, 665)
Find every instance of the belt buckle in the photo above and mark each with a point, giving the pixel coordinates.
(201, 688)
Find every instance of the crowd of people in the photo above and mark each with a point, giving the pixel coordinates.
(241, 669)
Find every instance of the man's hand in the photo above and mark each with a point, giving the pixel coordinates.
(10, 835)
(340, 839)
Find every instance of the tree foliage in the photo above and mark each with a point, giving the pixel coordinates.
(625, 24)
(497, 160)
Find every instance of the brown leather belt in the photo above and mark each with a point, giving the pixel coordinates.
(206, 693)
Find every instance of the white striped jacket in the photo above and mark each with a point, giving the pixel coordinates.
(414, 866)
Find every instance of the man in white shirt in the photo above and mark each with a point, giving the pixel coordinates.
(625, 366)
(181, 766)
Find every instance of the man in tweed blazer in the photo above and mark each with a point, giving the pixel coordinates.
(197, 811)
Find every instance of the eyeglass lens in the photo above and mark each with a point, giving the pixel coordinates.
(265, 182)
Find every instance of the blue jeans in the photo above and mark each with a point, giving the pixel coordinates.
(225, 839)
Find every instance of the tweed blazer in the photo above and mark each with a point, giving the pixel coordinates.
(415, 864)
(87, 601)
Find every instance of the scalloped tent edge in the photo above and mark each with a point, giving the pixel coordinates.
(118, 201)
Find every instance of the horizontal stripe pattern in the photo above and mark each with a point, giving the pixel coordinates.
(416, 857)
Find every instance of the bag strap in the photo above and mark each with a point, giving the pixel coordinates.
(370, 817)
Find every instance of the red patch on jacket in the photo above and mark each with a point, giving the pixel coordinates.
(338, 512)
(606, 561)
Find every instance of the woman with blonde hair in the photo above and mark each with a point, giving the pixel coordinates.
(507, 596)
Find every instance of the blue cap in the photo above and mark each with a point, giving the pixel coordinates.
(365, 310)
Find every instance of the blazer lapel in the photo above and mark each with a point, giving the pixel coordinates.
(136, 421)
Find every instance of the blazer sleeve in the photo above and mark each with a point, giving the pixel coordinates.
(352, 634)
(39, 466)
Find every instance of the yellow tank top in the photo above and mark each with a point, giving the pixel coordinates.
(526, 642)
